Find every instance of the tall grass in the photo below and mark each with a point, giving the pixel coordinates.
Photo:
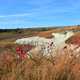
(64, 66)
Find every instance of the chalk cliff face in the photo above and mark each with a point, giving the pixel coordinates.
(60, 38)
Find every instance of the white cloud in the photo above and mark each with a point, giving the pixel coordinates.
(16, 15)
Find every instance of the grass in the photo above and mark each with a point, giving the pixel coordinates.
(61, 67)
(7, 42)
(64, 66)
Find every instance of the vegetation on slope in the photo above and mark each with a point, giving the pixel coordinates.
(64, 66)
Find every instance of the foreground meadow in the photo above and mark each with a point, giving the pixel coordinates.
(64, 66)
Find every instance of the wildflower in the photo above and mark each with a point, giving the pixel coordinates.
(21, 53)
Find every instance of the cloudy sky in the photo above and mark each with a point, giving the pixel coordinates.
(33, 13)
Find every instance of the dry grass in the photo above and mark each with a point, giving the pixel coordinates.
(64, 66)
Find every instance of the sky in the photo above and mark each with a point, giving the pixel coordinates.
(38, 13)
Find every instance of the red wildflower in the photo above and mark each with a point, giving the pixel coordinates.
(22, 50)
(18, 49)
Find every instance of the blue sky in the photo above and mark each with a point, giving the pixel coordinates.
(33, 13)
